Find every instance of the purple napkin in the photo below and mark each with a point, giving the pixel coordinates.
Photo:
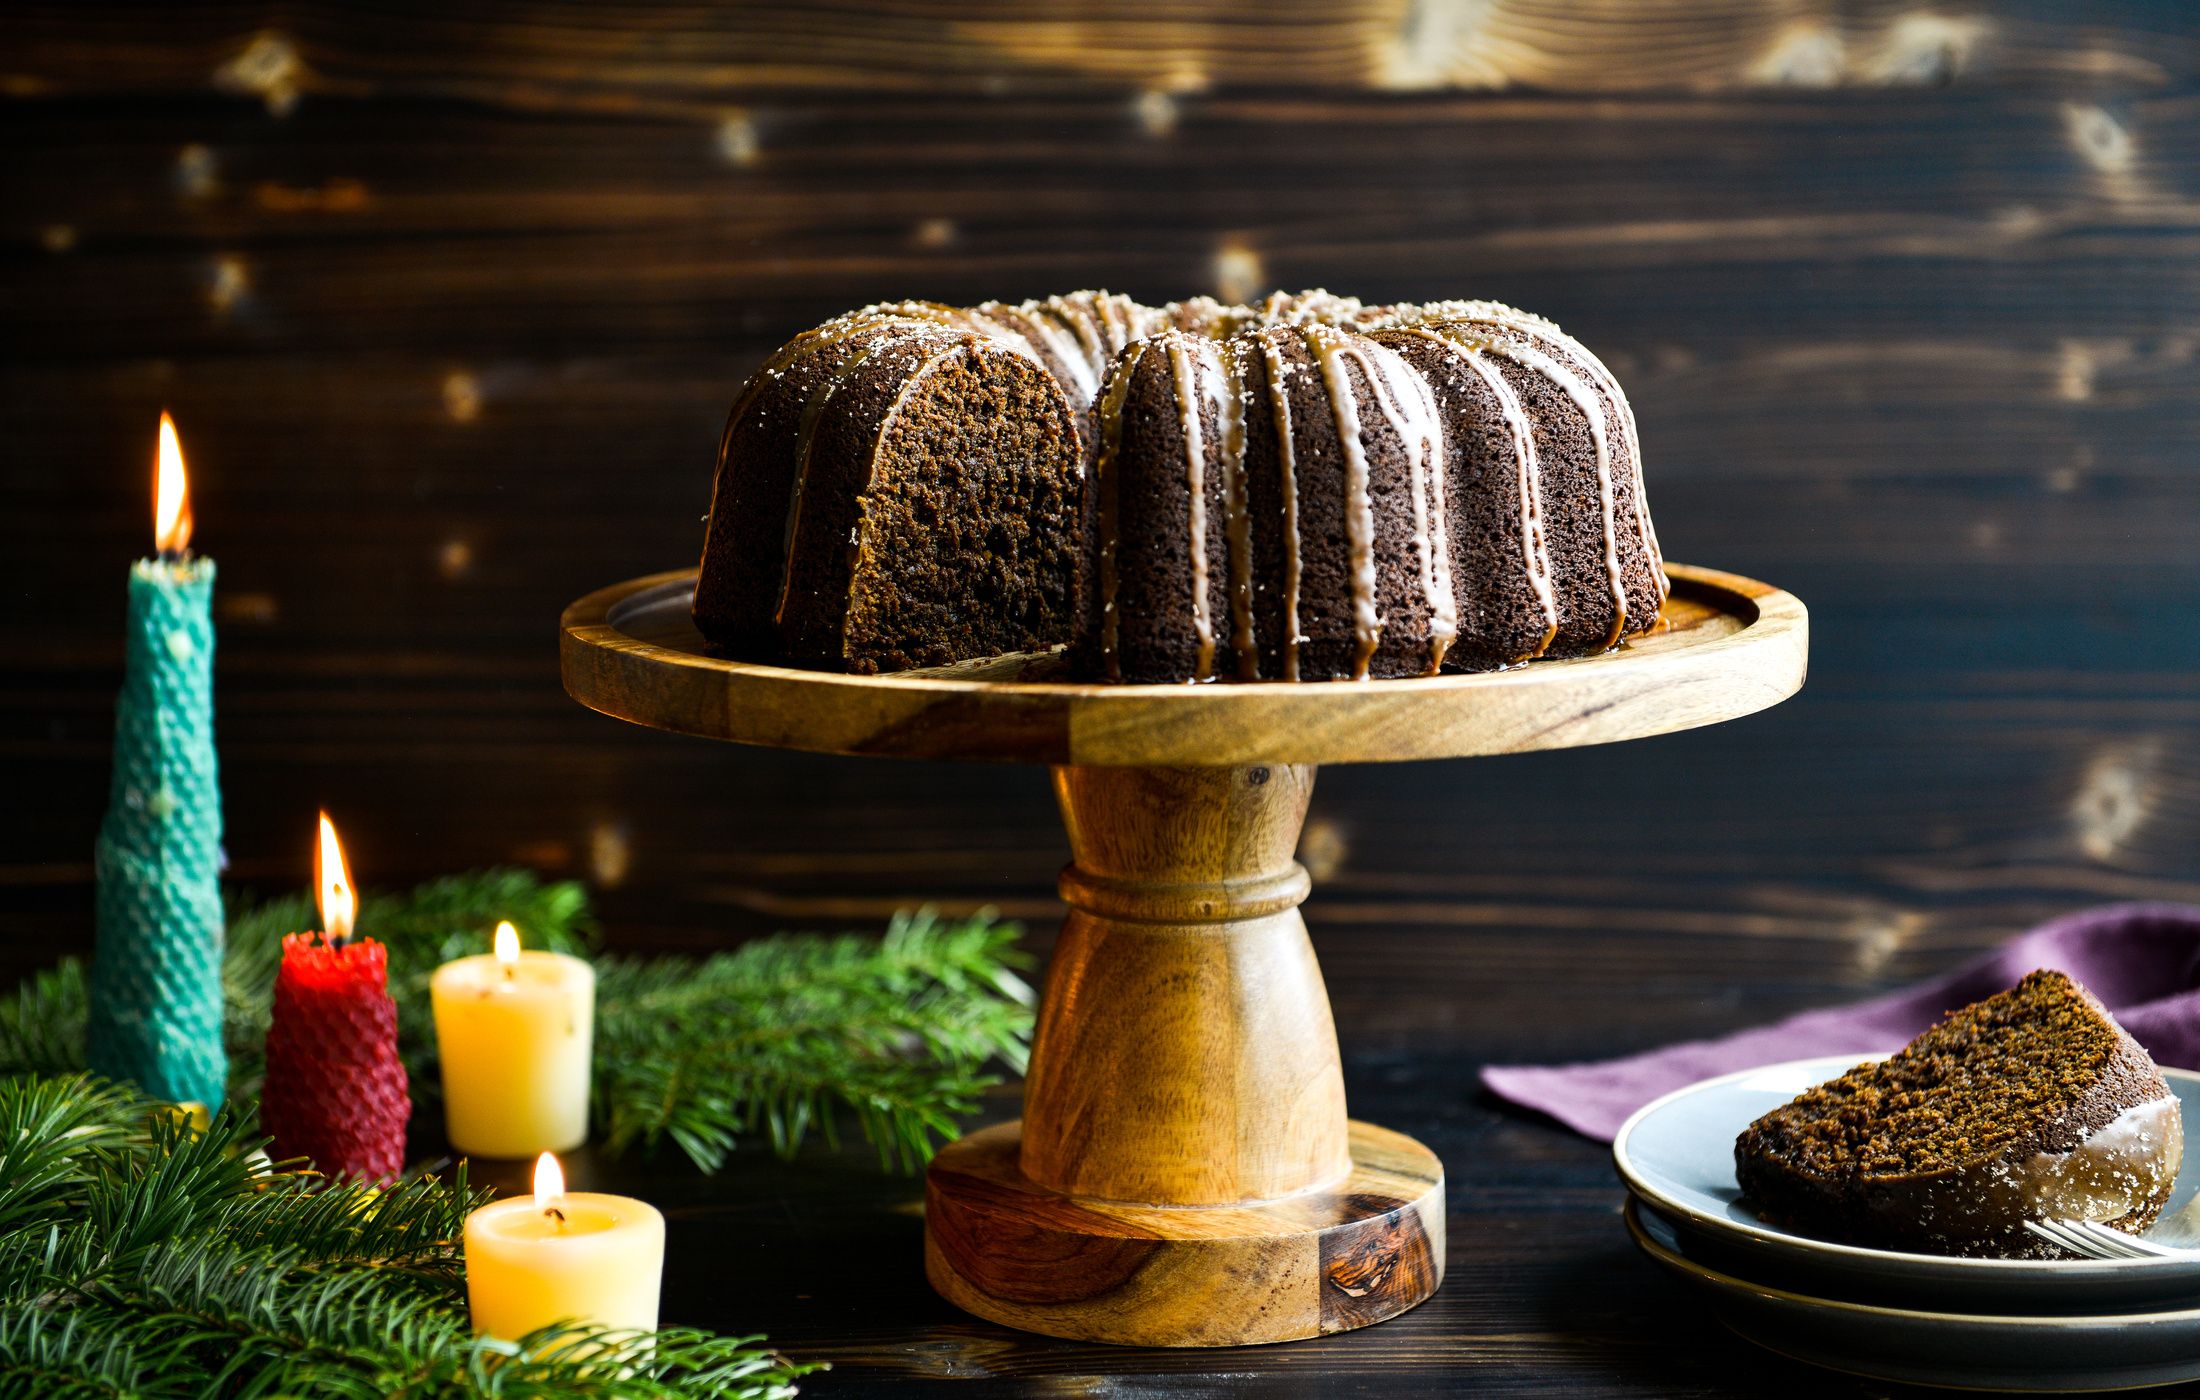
(2141, 960)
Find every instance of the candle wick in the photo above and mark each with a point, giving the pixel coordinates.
(553, 1210)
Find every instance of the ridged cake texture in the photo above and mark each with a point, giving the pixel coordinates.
(1304, 488)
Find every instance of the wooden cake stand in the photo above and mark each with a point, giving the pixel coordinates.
(1185, 1173)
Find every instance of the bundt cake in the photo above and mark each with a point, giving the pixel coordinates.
(2028, 1105)
(1308, 488)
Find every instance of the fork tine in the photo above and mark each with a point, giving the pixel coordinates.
(2059, 1234)
(2135, 1247)
(2105, 1243)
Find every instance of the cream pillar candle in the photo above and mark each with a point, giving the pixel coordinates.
(514, 1031)
(554, 1257)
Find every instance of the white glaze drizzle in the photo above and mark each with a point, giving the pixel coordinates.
(2112, 1171)
(1592, 409)
(1404, 400)
(1359, 509)
(1288, 460)
(1080, 324)
(1038, 330)
(1226, 388)
(1541, 327)
(1536, 554)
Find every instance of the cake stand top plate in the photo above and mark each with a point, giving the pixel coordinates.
(1726, 646)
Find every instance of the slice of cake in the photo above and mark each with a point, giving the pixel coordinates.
(2028, 1105)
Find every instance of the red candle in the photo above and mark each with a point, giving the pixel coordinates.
(335, 1092)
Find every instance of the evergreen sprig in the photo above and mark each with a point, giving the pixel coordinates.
(778, 1034)
(144, 1256)
(779, 1038)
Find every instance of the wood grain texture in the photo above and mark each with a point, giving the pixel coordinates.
(684, 55)
(1184, 1053)
(1725, 646)
(1359, 1250)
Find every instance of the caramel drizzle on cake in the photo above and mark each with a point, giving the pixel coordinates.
(1111, 487)
(1195, 486)
(1227, 388)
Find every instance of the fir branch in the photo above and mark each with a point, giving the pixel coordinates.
(177, 1261)
(42, 1026)
(47, 1133)
(777, 1035)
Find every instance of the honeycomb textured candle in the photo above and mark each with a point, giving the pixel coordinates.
(155, 1018)
(336, 1093)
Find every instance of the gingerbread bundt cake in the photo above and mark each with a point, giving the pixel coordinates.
(1303, 489)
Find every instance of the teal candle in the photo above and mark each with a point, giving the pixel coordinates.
(156, 993)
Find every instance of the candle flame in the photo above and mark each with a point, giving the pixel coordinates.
(549, 1184)
(507, 947)
(339, 903)
(171, 493)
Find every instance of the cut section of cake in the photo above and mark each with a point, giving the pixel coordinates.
(2029, 1105)
(895, 490)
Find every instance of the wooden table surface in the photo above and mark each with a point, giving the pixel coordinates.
(449, 302)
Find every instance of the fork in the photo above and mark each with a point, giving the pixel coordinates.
(2089, 1239)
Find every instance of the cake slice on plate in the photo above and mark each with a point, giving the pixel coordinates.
(2028, 1105)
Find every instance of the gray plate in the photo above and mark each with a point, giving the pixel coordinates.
(1963, 1351)
(1677, 1154)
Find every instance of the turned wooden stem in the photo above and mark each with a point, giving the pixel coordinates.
(1185, 1054)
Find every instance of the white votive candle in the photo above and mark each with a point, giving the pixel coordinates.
(514, 1031)
(556, 1257)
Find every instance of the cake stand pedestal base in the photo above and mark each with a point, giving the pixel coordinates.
(1185, 1174)
(1327, 1260)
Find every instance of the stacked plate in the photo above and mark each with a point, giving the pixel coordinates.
(2004, 1324)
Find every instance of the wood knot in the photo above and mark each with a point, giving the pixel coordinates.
(269, 68)
(1382, 1260)
(2103, 141)
(1926, 50)
(2115, 798)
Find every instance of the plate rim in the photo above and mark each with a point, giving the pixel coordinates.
(1702, 1272)
(1630, 1175)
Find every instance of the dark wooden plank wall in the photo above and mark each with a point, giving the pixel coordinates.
(449, 301)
